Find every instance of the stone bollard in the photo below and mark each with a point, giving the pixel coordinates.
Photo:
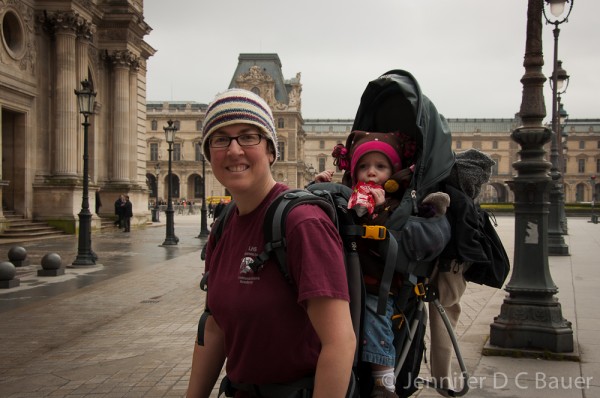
(17, 255)
(51, 265)
(7, 275)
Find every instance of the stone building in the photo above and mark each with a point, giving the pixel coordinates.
(260, 73)
(306, 144)
(47, 48)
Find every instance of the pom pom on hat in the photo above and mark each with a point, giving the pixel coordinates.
(238, 106)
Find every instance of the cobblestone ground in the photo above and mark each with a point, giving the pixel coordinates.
(132, 335)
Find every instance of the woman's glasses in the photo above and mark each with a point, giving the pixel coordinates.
(223, 141)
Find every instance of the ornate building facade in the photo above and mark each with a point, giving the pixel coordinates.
(47, 48)
(260, 73)
(306, 144)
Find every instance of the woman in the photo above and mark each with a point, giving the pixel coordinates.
(269, 331)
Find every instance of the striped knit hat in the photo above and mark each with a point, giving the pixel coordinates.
(238, 106)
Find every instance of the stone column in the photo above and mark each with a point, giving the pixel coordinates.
(134, 122)
(121, 61)
(65, 25)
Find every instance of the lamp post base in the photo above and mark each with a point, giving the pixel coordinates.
(204, 232)
(85, 255)
(557, 245)
(532, 323)
(170, 239)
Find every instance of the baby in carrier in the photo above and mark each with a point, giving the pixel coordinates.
(375, 162)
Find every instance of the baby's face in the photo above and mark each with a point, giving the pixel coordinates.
(374, 167)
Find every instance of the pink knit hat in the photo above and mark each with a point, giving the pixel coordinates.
(365, 142)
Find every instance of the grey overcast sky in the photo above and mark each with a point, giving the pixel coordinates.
(466, 54)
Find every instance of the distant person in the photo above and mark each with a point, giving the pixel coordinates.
(119, 210)
(219, 208)
(98, 202)
(127, 214)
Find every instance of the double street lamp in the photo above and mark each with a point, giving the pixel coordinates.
(556, 219)
(170, 239)
(86, 100)
(530, 320)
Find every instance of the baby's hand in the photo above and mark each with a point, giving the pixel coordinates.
(324, 176)
(378, 195)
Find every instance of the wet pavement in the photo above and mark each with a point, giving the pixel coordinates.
(118, 253)
(126, 328)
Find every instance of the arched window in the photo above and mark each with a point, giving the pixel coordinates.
(174, 186)
(197, 186)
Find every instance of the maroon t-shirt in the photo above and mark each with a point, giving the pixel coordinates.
(268, 335)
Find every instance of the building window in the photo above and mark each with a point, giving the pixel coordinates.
(176, 152)
(321, 144)
(197, 187)
(174, 186)
(598, 144)
(154, 151)
(581, 165)
(495, 167)
(198, 151)
(458, 144)
(154, 125)
(177, 125)
(281, 150)
(199, 125)
(321, 164)
(581, 144)
(597, 166)
(280, 123)
(579, 193)
(494, 144)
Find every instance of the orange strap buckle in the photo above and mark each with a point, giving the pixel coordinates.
(376, 232)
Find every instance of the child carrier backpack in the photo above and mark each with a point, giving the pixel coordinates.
(409, 244)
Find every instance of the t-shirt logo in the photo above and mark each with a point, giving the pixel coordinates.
(245, 266)
(247, 274)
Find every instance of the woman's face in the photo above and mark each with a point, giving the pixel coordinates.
(373, 167)
(241, 168)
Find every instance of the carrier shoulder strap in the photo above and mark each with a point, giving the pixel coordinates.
(275, 224)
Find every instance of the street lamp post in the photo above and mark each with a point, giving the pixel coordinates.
(86, 99)
(530, 319)
(156, 215)
(170, 239)
(562, 149)
(203, 223)
(594, 217)
(556, 242)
